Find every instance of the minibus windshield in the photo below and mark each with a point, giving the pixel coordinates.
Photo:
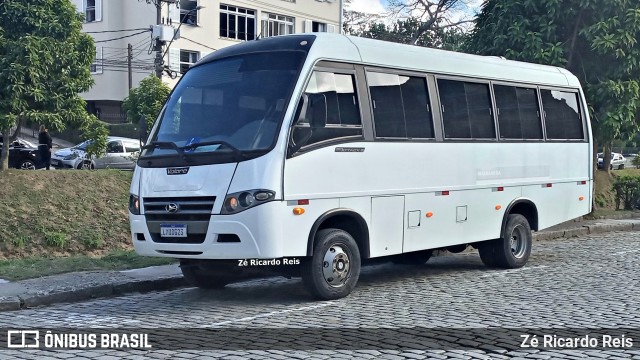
(230, 107)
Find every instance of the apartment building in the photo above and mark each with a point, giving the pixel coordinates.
(122, 27)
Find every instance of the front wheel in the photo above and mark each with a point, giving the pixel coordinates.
(513, 249)
(333, 270)
(27, 165)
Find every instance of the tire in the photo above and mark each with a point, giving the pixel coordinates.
(27, 165)
(198, 277)
(86, 165)
(513, 249)
(333, 270)
(413, 258)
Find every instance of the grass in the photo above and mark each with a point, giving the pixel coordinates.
(63, 213)
(39, 266)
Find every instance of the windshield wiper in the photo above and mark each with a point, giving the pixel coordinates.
(166, 145)
(233, 149)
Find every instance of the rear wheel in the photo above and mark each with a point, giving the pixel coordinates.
(513, 249)
(86, 165)
(199, 276)
(333, 270)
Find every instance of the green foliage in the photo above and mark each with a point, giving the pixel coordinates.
(414, 31)
(636, 161)
(20, 240)
(596, 40)
(147, 99)
(627, 192)
(55, 239)
(97, 133)
(45, 59)
(93, 240)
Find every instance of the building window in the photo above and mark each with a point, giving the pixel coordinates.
(237, 23)
(273, 25)
(90, 11)
(187, 14)
(318, 27)
(188, 58)
(96, 66)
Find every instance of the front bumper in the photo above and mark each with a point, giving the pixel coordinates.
(259, 230)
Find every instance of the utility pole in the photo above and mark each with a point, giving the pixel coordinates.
(129, 58)
(158, 46)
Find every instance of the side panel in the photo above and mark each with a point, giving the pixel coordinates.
(387, 222)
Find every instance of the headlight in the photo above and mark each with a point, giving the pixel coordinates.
(71, 156)
(243, 200)
(134, 204)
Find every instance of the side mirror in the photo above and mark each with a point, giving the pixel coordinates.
(142, 128)
(318, 107)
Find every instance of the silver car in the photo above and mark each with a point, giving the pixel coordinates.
(121, 154)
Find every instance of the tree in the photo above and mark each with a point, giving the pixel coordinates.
(147, 99)
(44, 65)
(97, 133)
(596, 40)
(431, 19)
(405, 32)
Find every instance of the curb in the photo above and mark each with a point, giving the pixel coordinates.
(585, 230)
(91, 293)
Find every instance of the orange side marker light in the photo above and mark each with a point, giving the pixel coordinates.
(498, 207)
(429, 214)
(581, 198)
(298, 211)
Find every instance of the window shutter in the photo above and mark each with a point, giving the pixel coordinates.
(174, 14)
(98, 10)
(308, 26)
(331, 28)
(174, 59)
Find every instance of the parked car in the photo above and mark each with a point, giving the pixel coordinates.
(121, 154)
(617, 161)
(23, 154)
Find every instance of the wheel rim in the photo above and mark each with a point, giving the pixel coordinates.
(518, 241)
(27, 166)
(86, 165)
(336, 266)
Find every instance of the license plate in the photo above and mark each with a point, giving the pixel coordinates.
(173, 230)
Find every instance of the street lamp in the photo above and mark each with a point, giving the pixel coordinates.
(199, 7)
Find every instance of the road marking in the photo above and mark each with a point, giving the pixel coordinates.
(507, 272)
(273, 313)
(626, 252)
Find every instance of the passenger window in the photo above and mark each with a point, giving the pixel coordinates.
(400, 106)
(562, 115)
(130, 148)
(518, 112)
(466, 110)
(115, 147)
(331, 97)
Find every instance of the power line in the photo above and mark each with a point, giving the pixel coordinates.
(122, 37)
(195, 42)
(112, 31)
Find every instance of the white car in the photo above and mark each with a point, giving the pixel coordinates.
(617, 161)
(121, 154)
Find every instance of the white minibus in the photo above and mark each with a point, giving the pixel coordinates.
(312, 154)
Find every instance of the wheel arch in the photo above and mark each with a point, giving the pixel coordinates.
(347, 220)
(524, 207)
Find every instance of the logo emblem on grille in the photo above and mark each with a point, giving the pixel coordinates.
(172, 208)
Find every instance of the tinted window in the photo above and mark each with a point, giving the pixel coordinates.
(562, 115)
(115, 147)
(466, 110)
(400, 106)
(334, 94)
(518, 113)
(131, 147)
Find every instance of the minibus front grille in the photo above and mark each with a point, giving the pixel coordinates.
(192, 212)
(178, 217)
(179, 205)
(190, 239)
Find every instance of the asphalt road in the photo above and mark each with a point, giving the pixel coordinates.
(588, 282)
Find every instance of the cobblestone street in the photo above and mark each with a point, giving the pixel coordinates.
(585, 282)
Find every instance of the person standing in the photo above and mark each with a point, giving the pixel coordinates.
(44, 146)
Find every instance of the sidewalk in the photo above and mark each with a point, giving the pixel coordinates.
(97, 284)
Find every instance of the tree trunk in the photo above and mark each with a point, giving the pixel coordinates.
(606, 159)
(4, 153)
(16, 133)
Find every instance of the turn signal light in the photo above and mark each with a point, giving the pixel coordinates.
(298, 211)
